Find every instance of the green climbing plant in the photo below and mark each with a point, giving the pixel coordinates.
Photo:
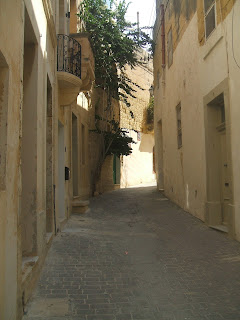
(150, 111)
(117, 140)
(116, 43)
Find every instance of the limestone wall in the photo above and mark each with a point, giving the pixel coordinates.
(132, 117)
(27, 41)
(11, 50)
(96, 148)
(137, 168)
(44, 128)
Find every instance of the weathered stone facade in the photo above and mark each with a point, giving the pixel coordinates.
(101, 174)
(137, 168)
(44, 123)
(48, 153)
(132, 117)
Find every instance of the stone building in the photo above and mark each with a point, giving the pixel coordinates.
(196, 76)
(105, 172)
(48, 153)
(138, 168)
(46, 75)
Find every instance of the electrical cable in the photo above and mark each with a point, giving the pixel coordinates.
(152, 13)
(234, 57)
(151, 20)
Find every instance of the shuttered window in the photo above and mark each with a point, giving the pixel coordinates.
(210, 16)
(170, 48)
(179, 125)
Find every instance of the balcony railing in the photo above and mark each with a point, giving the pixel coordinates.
(68, 55)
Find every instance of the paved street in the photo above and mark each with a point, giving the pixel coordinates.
(137, 256)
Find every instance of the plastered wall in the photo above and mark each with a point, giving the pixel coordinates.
(182, 182)
(137, 168)
(178, 15)
(199, 68)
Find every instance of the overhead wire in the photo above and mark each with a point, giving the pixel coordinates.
(151, 20)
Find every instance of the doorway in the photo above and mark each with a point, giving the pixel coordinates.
(224, 174)
(116, 169)
(159, 150)
(219, 194)
(49, 160)
(75, 154)
(28, 217)
(61, 172)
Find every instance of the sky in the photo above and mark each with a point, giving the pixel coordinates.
(146, 9)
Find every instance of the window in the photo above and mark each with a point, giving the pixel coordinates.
(210, 16)
(158, 79)
(170, 48)
(223, 117)
(179, 126)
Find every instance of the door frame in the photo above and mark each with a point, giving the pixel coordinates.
(61, 179)
(212, 114)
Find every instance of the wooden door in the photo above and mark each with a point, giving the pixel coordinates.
(224, 172)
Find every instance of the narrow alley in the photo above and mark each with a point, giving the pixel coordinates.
(136, 255)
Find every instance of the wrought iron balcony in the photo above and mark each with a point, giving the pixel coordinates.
(68, 55)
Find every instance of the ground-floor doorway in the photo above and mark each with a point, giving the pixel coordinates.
(116, 170)
(218, 161)
(61, 172)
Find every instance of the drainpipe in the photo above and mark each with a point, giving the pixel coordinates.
(163, 35)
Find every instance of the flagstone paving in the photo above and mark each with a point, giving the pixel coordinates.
(137, 256)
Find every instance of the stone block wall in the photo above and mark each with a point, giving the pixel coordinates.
(132, 117)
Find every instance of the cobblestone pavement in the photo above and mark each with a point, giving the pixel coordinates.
(137, 256)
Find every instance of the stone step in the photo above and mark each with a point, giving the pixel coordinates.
(220, 227)
(80, 206)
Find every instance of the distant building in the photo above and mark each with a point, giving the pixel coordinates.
(138, 168)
